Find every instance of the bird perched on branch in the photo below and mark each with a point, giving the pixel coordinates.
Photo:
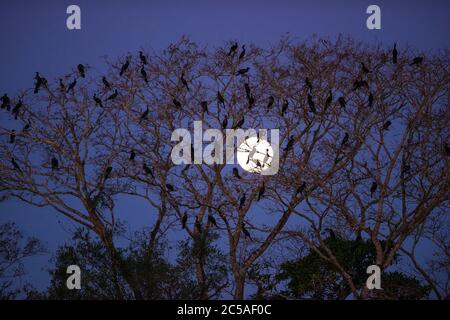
(169, 187)
(124, 67)
(342, 102)
(81, 70)
(144, 74)
(98, 101)
(242, 54)
(345, 139)
(184, 82)
(329, 100)
(394, 54)
(308, 84)
(284, 107)
(143, 58)
(204, 105)
(373, 188)
(54, 163)
(106, 83)
(242, 71)
(6, 102)
(176, 103)
(147, 170)
(236, 173)
(132, 155)
(233, 49)
(386, 125)
(107, 172)
(113, 95)
(289, 144)
(72, 85)
(16, 109)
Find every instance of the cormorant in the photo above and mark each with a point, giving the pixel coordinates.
(212, 220)
(143, 58)
(329, 100)
(236, 173)
(345, 139)
(106, 83)
(169, 187)
(124, 67)
(72, 85)
(386, 125)
(147, 169)
(242, 55)
(108, 172)
(98, 101)
(373, 188)
(364, 68)
(132, 155)
(447, 149)
(242, 71)
(225, 122)
(370, 99)
(284, 107)
(5, 102)
(16, 109)
(394, 54)
(81, 70)
(301, 188)
(233, 49)
(54, 163)
(144, 74)
(308, 84)
(184, 82)
(176, 103)
(247, 90)
(113, 96)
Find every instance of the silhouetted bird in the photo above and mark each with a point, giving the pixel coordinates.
(242, 55)
(239, 123)
(16, 165)
(124, 67)
(233, 49)
(12, 136)
(143, 58)
(72, 85)
(62, 86)
(242, 71)
(329, 100)
(242, 201)
(113, 96)
(308, 84)
(373, 188)
(144, 74)
(386, 125)
(370, 99)
(261, 192)
(6, 102)
(147, 169)
(108, 172)
(447, 149)
(225, 122)
(98, 101)
(342, 102)
(144, 115)
(26, 128)
(236, 173)
(184, 220)
(284, 107)
(169, 187)
(247, 90)
(270, 103)
(416, 61)
(184, 82)
(81, 70)
(289, 144)
(394, 54)
(301, 188)
(220, 97)
(331, 233)
(245, 232)
(39, 82)
(364, 68)
(132, 155)
(54, 163)
(16, 109)
(212, 220)
(204, 105)
(106, 83)
(311, 104)
(176, 103)
(251, 101)
(345, 139)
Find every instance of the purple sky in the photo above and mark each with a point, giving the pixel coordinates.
(34, 37)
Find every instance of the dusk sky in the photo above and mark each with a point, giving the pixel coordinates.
(34, 37)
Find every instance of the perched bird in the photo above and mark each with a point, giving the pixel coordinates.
(270, 103)
(242, 54)
(212, 220)
(98, 101)
(106, 83)
(243, 71)
(38, 83)
(204, 105)
(342, 102)
(124, 67)
(364, 68)
(394, 54)
(16, 165)
(301, 188)
(251, 101)
(329, 100)
(247, 90)
(12, 136)
(447, 149)
(5, 102)
(308, 84)
(132, 155)
(311, 104)
(62, 86)
(169, 187)
(113, 95)
(242, 201)
(245, 232)
(386, 125)
(261, 192)
(176, 103)
(184, 221)
(81, 70)
(236, 173)
(284, 107)
(147, 170)
(72, 85)
(373, 188)
(416, 61)
(144, 74)
(225, 122)
(370, 99)
(26, 128)
(184, 82)
(220, 97)
(289, 144)
(345, 139)
(331, 233)
(16, 109)
(143, 58)
(107, 172)
(233, 49)
(54, 163)
(144, 115)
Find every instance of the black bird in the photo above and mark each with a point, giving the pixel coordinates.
(370, 99)
(284, 107)
(143, 58)
(144, 115)
(16, 109)
(176, 103)
(220, 97)
(270, 103)
(342, 102)
(108, 172)
(212, 220)
(447, 149)
(394, 54)
(261, 192)
(242, 55)
(147, 169)
(251, 101)
(72, 85)
(12, 136)
(416, 61)
(240, 123)
(106, 83)
(236, 173)
(386, 125)
(311, 104)
(124, 67)
(5, 102)
(245, 232)
(81, 70)
(184, 82)
(54, 163)
(16, 165)
(26, 128)
(233, 49)
(373, 188)
(184, 221)
(98, 101)
(329, 100)
(345, 139)
(242, 201)
(308, 83)
(144, 74)
(204, 105)
(225, 122)
(113, 96)
(169, 187)
(331, 233)
(243, 71)
(301, 188)
(364, 68)
(132, 155)
(38, 82)
(289, 144)
(247, 90)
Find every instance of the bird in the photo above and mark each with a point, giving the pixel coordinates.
(308, 84)
(225, 122)
(16, 109)
(300, 188)
(270, 103)
(245, 232)
(386, 125)
(204, 105)
(289, 144)
(144, 74)
(147, 169)
(331, 233)
(394, 54)
(212, 220)
(184, 82)
(106, 83)
(72, 85)
(132, 155)
(416, 61)
(16, 165)
(54, 163)
(81, 70)
(239, 123)
(247, 90)
(236, 173)
(38, 82)
(169, 187)
(242, 201)
(176, 103)
(242, 71)
(143, 58)
(284, 107)
(261, 192)
(311, 104)
(144, 115)
(62, 86)
(233, 49)
(242, 54)
(26, 128)
(364, 68)
(107, 172)
(98, 101)
(12, 136)
(370, 99)
(345, 139)
(124, 67)
(113, 95)
(447, 149)
(342, 102)
(329, 100)
(5, 101)
(251, 101)
(373, 188)
(184, 221)
(220, 97)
